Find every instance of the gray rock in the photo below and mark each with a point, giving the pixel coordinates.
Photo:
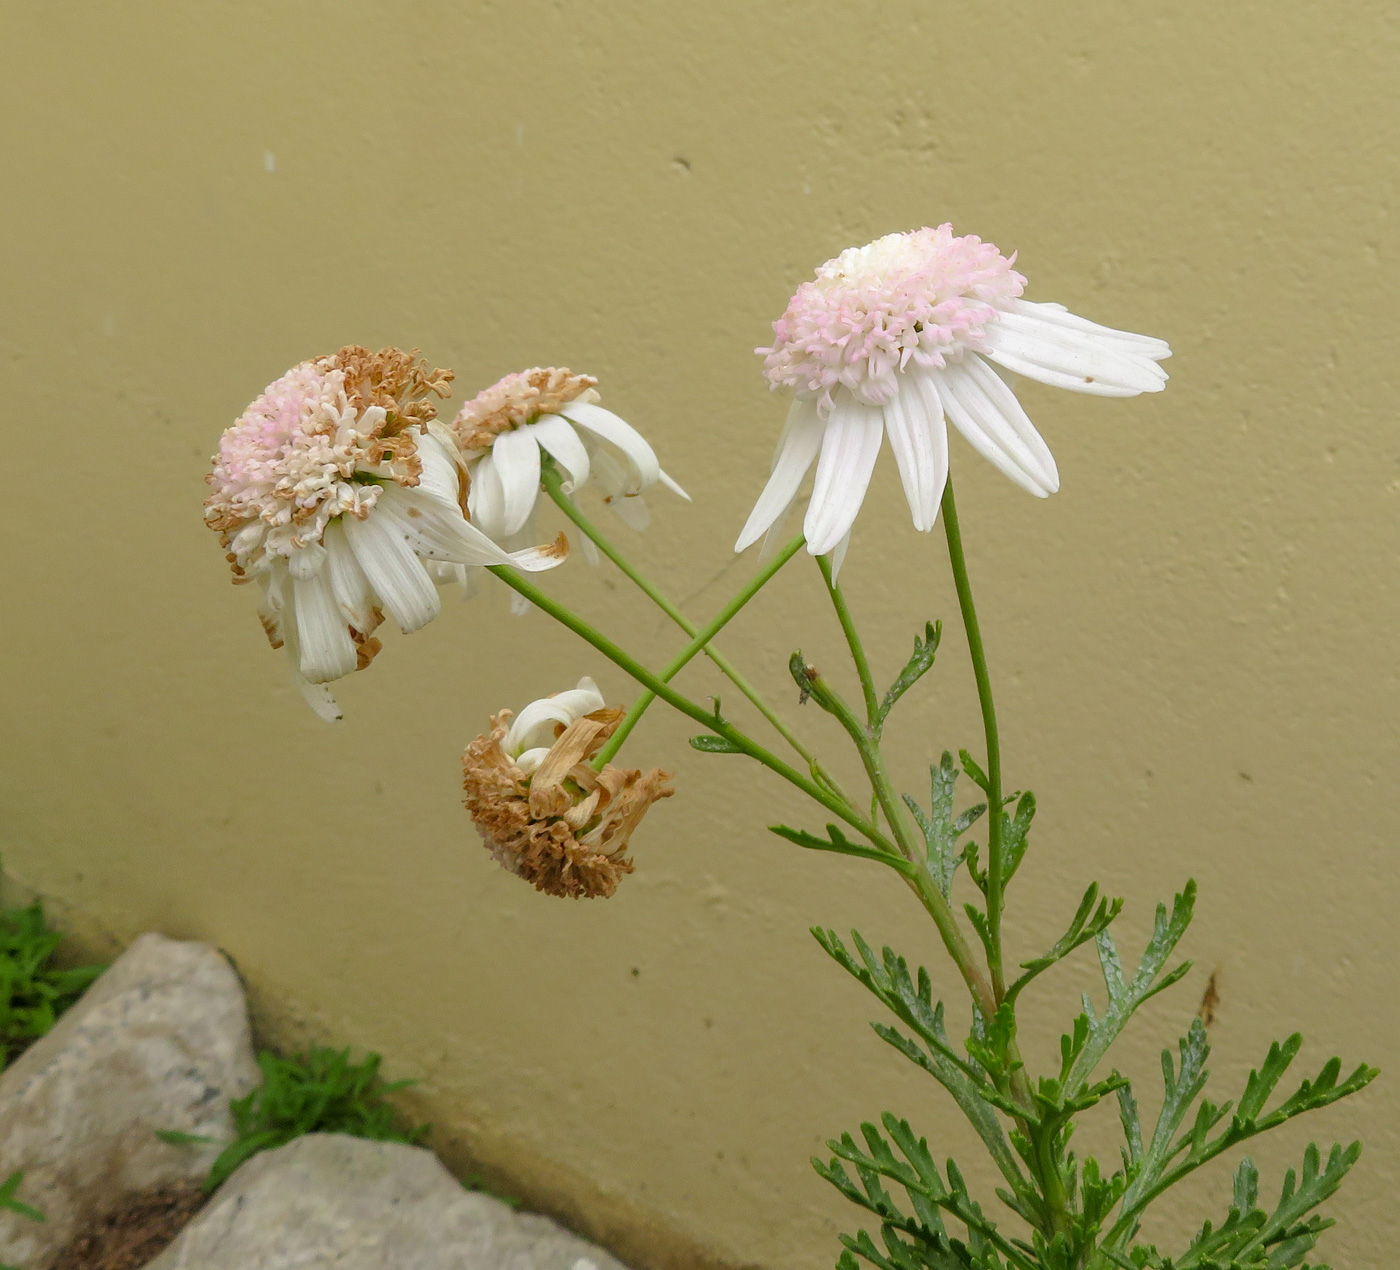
(327, 1200)
(161, 1041)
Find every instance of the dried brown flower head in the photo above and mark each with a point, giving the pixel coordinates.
(564, 827)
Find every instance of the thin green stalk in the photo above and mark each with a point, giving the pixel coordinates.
(922, 882)
(552, 480)
(697, 645)
(995, 861)
(848, 628)
(706, 718)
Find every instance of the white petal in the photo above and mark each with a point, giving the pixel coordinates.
(325, 649)
(670, 483)
(516, 455)
(849, 450)
(435, 531)
(907, 421)
(1067, 358)
(441, 476)
(486, 499)
(618, 483)
(273, 583)
(559, 440)
(610, 473)
(1129, 341)
(838, 556)
(925, 386)
(319, 698)
(776, 535)
(547, 555)
(348, 582)
(590, 550)
(393, 570)
(531, 759)
(307, 561)
(987, 413)
(632, 510)
(606, 425)
(797, 447)
(535, 723)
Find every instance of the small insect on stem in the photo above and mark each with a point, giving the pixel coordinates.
(809, 674)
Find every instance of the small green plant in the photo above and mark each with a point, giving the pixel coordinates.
(33, 992)
(9, 1188)
(320, 1091)
(477, 1182)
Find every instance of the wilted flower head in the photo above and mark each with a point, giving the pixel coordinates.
(542, 811)
(503, 429)
(332, 490)
(893, 336)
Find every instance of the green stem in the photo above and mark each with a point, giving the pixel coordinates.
(848, 628)
(707, 719)
(697, 645)
(552, 480)
(922, 882)
(995, 862)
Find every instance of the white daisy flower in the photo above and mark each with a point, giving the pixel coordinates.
(337, 491)
(894, 337)
(550, 410)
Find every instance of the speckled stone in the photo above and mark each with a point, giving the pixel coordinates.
(160, 1041)
(327, 1200)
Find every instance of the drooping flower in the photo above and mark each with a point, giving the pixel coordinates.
(504, 429)
(891, 338)
(335, 490)
(542, 811)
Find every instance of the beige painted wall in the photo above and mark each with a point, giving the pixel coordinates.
(1194, 641)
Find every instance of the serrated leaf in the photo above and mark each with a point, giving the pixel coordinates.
(1086, 924)
(979, 777)
(910, 1243)
(1124, 997)
(1015, 835)
(980, 925)
(917, 666)
(1195, 1147)
(940, 828)
(887, 977)
(1251, 1239)
(838, 842)
(1182, 1085)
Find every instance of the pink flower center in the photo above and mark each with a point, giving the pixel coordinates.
(925, 296)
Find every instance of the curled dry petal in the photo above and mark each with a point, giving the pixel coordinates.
(564, 828)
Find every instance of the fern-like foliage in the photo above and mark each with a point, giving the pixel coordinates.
(1067, 1213)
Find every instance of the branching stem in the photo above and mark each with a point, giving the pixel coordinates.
(708, 719)
(995, 855)
(553, 482)
(922, 882)
(853, 642)
(700, 644)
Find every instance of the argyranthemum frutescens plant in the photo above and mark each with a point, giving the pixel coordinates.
(895, 339)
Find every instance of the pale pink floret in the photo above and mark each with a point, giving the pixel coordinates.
(283, 469)
(923, 297)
